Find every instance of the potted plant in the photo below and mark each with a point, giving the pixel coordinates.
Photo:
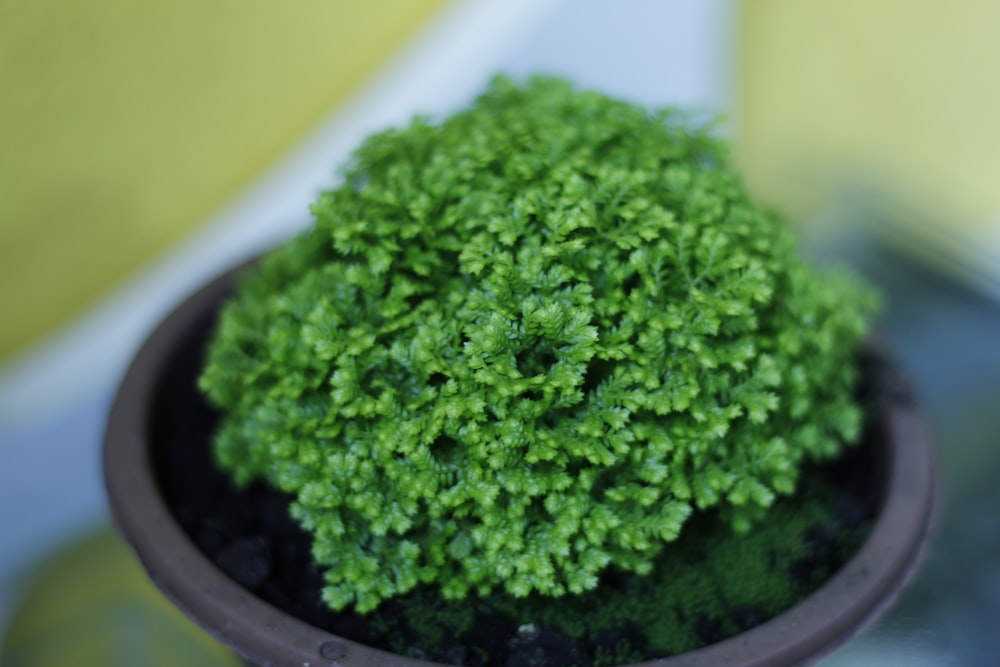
(543, 356)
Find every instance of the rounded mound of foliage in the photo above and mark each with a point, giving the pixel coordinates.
(522, 345)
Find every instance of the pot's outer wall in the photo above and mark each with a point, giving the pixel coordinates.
(841, 608)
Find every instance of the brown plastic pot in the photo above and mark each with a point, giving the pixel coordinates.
(850, 601)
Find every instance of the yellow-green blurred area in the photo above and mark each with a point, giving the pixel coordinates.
(125, 124)
(891, 102)
(94, 605)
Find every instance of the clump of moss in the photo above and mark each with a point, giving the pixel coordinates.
(712, 585)
(708, 586)
(523, 345)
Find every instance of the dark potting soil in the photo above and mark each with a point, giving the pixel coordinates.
(250, 536)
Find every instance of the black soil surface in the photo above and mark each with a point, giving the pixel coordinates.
(250, 536)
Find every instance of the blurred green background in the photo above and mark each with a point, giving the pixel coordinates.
(883, 109)
(124, 125)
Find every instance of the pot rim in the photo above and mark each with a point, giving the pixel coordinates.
(846, 604)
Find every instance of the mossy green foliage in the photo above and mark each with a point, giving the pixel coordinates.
(708, 586)
(712, 584)
(524, 344)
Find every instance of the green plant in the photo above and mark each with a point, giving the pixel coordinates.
(707, 586)
(521, 346)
